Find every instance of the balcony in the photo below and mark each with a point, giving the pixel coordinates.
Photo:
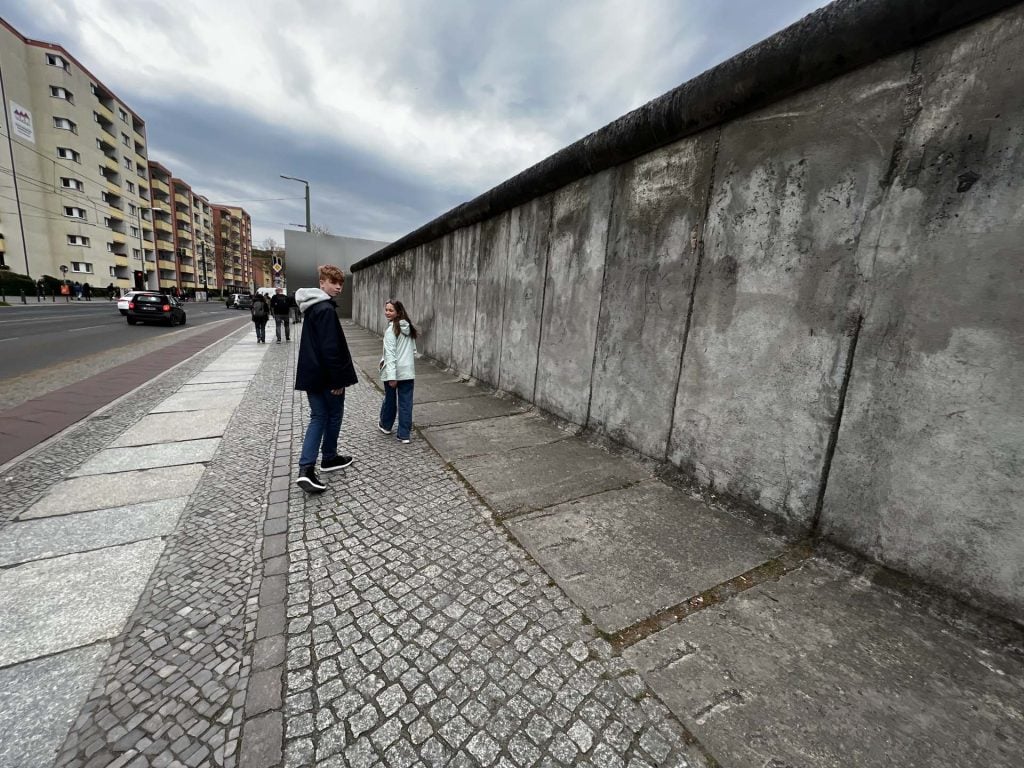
(169, 266)
(120, 260)
(112, 186)
(111, 163)
(104, 112)
(118, 238)
(180, 198)
(158, 186)
(163, 226)
(183, 217)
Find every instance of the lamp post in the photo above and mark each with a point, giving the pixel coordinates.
(206, 289)
(292, 178)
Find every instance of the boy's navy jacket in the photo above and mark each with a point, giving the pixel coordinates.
(324, 360)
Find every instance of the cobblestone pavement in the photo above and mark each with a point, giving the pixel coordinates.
(420, 634)
(172, 691)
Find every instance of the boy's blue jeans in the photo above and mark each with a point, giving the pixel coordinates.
(325, 413)
(398, 399)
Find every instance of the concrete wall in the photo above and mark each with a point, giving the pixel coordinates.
(814, 308)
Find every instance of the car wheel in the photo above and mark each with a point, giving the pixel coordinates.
(183, 318)
(132, 321)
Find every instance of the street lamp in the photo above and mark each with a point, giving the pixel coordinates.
(292, 178)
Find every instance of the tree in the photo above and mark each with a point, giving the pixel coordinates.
(319, 229)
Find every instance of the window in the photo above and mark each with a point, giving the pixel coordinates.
(68, 154)
(61, 93)
(70, 183)
(128, 163)
(74, 212)
(105, 197)
(123, 115)
(81, 266)
(107, 221)
(125, 140)
(110, 247)
(135, 231)
(131, 187)
(113, 271)
(78, 240)
(136, 254)
(64, 124)
(57, 61)
(131, 209)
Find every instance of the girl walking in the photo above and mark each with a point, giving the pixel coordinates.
(260, 314)
(398, 371)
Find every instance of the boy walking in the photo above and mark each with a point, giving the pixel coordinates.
(279, 306)
(323, 371)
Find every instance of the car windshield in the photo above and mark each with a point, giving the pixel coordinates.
(149, 298)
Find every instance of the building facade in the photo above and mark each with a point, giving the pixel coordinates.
(74, 181)
(232, 229)
(81, 201)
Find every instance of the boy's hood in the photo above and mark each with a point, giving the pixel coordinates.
(307, 297)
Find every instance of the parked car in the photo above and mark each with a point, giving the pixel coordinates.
(240, 301)
(153, 307)
(122, 303)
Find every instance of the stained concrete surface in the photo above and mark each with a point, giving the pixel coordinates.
(100, 491)
(470, 407)
(42, 698)
(543, 475)
(64, 534)
(65, 602)
(149, 457)
(624, 555)
(825, 669)
(505, 433)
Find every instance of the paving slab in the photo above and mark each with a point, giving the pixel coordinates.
(471, 406)
(167, 427)
(505, 433)
(824, 668)
(217, 377)
(624, 555)
(64, 534)
(41, 700)
(198, 400)
(82, 494)
(149, 457)
(444, 389)
(66, 602)
(228, 386)
(544, 475)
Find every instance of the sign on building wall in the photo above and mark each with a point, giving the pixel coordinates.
(21, 121)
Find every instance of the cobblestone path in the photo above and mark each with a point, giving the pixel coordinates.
(419, 634)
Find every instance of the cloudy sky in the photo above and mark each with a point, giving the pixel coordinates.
(394, 110)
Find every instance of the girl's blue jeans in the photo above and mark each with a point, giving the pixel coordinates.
(325, 413)
(398, 401)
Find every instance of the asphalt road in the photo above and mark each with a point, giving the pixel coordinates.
(39, 336)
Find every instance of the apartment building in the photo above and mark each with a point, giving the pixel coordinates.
(74, 201)
(233, 243)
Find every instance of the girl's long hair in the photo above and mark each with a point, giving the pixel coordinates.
(400, 315)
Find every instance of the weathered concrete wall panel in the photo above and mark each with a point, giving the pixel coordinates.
(929, 464)
(652, 255)
(572, 296)
(492, 269)
(768, 344)
(464, 326)
(530, 226)
(435, 292)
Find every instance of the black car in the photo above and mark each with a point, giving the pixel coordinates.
(151, 307)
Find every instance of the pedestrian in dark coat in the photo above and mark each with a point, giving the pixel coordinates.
(323, 370)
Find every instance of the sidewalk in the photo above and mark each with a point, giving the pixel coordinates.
(498, 592)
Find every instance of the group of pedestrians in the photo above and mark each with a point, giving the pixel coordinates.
(281, 307)
(325, 369)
